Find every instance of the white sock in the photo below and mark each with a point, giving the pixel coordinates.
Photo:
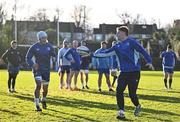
(43, 99)
(36, 100)
(121, 111)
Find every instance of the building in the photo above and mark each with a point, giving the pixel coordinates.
(139, 31)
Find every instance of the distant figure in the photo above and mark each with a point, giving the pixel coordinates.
(73, 56)
(13, 58)
(42, 51)
(63, 64)
(168, 63)
(85, 60)
(103, 66)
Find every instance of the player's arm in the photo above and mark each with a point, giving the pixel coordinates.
(29, 60)
(138, 47)
(105, 53)
(4, 57)
(67, 55)
(162, 54)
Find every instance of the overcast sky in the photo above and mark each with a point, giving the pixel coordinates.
(102, 11)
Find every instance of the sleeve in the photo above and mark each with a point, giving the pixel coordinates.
(94, 62)
(106, 53)
(138, 47)
(66, 55)
(58, 58)
(5, 56)
(111, 62)
(29, 56)
(162, 54)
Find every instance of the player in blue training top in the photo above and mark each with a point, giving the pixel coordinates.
(41, 52)
(64, 64)
(168, 63)
(128, 52)
(73, 56)
(103, 65)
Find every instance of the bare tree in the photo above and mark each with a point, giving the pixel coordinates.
(40, 15)
(125, 17)
(3, 14)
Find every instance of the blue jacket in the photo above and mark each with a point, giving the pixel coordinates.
(102, 63)
(169, 59)
(42, 54)
(128, 53)
(72, 54)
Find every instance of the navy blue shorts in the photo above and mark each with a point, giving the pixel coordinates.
(64, 69)
(13, 69)
(101, 71)
(168, 70)
(42, 76)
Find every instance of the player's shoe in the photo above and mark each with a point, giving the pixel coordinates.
(87, 87)
(44, 106)
(99, 90)
(9, 91)
(137, 110)
(83, 87)
(111, 90)
(38, 109)
(121, 115)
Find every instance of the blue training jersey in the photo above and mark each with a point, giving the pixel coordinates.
(169, 58)
(115, 62)
(128, 53)
(102, 63)
(72, 54)
(42, 54)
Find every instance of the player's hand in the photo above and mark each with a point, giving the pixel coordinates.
(1, 61)
(150, 66)
(35, 66)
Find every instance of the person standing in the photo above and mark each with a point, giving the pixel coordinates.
(64, 64)
(103, 65)
(168, 63)
(13, 59)
(73, 56)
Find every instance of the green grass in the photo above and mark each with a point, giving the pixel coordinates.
(88, 105)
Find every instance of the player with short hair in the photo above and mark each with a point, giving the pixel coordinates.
(128, 52)
(85, 60)
(42, 51)
(73, 56)
(13, 58)
(103, 66)
(64, 64)
(168, 63)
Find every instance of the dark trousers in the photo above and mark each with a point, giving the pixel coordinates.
(130, 79)
(12, 80)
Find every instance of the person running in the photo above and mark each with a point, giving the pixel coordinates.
(168, 63)
(128, 52)
(73, 56)
(103, 66)
(85, 60)
(64, 64)
(13, 59)
(42, 51)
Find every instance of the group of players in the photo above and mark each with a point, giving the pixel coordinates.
(123, 55)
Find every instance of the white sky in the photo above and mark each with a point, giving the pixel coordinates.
(102, 11)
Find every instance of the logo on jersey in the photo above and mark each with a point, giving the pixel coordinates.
(37, 49)
(48, 48)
